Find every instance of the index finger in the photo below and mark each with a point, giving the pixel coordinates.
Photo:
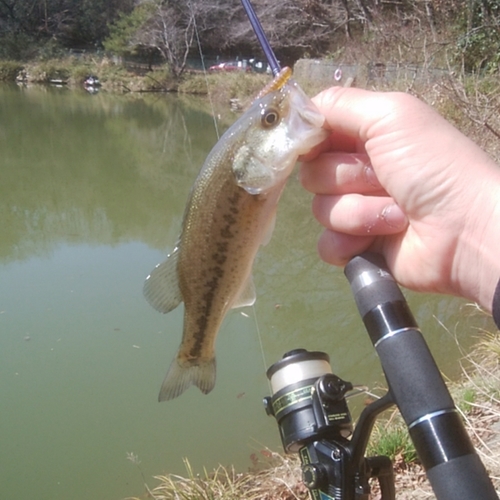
(349, 113)
(334, 142)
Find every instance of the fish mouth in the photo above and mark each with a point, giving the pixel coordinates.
(313, 117)
(306, 121)
(305, 110)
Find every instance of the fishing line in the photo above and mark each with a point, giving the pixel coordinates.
(275, 67)
(259, 336)
(204, 71)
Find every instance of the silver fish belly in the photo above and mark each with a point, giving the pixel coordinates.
(229, 214)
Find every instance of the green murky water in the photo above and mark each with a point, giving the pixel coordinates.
(92, 190)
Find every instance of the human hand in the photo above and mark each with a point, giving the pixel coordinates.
(397, 178)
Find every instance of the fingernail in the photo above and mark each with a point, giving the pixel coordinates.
(370, 176)
(394, 216)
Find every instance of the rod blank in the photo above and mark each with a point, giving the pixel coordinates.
(261, 36)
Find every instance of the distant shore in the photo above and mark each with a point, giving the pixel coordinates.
(109, 76)
(467, 100)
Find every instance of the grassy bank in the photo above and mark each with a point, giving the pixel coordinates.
(73, 71)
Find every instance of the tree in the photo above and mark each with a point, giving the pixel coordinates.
(294, 27)
(61, 23)
(169, 29)
(480, 44)
(87, 21)
(122, 32)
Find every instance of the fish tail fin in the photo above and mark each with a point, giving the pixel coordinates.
(183, 374)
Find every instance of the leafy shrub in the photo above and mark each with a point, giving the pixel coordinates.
(44, 72)
(9, 70)
(195, 84)
(79, 73)
(225, 86)
(480, 49)
(479, 41)
(160, 79)
(17, 46)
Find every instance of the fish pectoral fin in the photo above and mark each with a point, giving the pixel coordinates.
(161, 287)
(247, 296)
(268, 234)
(182, 374)
(250, 173)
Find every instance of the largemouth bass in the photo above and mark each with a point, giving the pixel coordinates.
(229, 214)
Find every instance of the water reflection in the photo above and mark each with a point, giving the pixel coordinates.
(97, 169)
(92, 193)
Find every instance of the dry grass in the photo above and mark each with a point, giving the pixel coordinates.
(274, 477)
(224, 87)
(472, 102)
(483, 414)
(469, 101)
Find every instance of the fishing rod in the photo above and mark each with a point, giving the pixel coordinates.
(264, 42)
(309, 404)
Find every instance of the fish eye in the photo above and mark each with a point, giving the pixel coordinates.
(270, 118)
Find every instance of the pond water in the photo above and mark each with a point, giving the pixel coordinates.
(92, 193)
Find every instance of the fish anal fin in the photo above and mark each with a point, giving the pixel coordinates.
(182, 374)
(161, 287)
(247, 296)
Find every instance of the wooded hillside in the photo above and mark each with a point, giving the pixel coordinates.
(466, 31)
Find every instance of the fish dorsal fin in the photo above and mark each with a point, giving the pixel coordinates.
(247, 296)
(161, 287)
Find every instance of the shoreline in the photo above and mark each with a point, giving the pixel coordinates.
(108, 76)
(465, 99)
